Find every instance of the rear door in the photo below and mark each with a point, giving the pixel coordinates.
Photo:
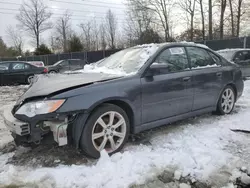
(4, 73)
(75, 64)
(168, 92)
(242, 58)
(207, 77)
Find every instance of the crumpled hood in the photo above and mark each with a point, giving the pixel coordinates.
(47, 84)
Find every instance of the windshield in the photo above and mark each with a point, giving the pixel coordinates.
(228, 55)
(129, 60)
(57, 63)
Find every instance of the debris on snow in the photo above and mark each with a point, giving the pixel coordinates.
(177, 175)
(243, 169)
(245, 179)
(184, 185)
(167, 176)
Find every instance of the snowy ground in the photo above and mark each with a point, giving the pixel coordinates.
(204, 148)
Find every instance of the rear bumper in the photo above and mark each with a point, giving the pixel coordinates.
(14, 125)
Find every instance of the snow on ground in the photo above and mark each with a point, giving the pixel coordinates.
(8, 96)
(203, 147)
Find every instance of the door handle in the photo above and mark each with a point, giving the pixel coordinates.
(218, 74)
(186, 79)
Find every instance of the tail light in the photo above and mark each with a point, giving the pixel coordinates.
(45, 70)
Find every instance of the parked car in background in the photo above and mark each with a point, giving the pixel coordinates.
(139, 88)
(37, 63)
(240, 57)
(66, 65)
(18, 72)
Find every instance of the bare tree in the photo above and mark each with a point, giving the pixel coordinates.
(202, 18)
(86, 35)
(162, 9)
(111, 24)
(139, 19)
(63, 28)
(189, 7)
(239, 15)
(232, 18)
(15, 38)
(210, 19)
(223, 5)
(34, 18)
(90, 35)
(102, 32)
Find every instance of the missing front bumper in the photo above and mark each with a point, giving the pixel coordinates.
(59, 130)
(14, 125)
(35, 133)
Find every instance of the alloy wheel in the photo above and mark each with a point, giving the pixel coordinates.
(109, 131)
(227, 100)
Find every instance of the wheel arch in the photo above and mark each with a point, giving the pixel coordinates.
(123, 104)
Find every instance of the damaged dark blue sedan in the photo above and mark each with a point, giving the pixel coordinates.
(136, 89)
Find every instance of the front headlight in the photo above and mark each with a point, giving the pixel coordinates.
(40, 107)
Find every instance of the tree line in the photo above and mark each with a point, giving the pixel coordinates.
(147, 21)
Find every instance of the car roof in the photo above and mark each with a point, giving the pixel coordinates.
(172, 44)
(234, 50)
(13, 62)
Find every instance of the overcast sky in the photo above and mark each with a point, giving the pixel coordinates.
(81, 10)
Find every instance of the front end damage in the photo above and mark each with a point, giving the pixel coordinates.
(33, 132)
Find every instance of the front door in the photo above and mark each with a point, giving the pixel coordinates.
(63, 66)
(208, 76)
(169, 91)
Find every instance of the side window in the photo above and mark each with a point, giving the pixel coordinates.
(199, 58)
(217, 60)
(65, 63)
(239, 56)
(26, 66)
(74, 62)
(18, 66)
(248, 55)
(4, 67)
(174, 59)
(243, 58)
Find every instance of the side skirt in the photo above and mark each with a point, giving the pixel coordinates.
(161, 122)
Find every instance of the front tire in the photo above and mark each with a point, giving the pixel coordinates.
(106, 129)
(227, 101)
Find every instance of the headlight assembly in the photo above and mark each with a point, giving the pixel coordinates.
(32, 109)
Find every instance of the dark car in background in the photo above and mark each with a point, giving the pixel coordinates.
(66, 65)
(137, 89)
(18, 72)
(239, 56)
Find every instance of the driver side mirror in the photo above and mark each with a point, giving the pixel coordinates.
(156, 69)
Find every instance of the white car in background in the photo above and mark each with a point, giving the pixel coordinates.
(36, 63)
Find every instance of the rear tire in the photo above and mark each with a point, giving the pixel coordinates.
(226, 101)
(107, 128)
(52, 72)
(29, 79)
